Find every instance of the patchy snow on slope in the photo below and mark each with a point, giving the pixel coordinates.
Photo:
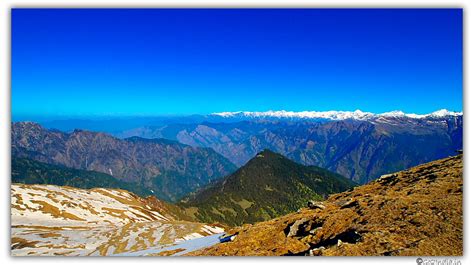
(51, 220)
(46, 204)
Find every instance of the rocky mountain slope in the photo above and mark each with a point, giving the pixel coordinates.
(360, 146)
(268, 186)
(28, 171)
(170, 169)
(53, 220)
(416, 212)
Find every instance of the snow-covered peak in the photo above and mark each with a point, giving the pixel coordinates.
(333, 115)
(444, 113)
(395, 113)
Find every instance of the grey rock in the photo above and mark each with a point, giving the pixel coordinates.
(295, 227)
(316, 205)
(350, 203)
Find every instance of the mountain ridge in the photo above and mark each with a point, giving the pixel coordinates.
(169, 168)
(333, 115)
(414, 212)
(269, 185)
(29, 171)
(357, 149)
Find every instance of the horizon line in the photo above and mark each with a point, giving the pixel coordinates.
(230, 113)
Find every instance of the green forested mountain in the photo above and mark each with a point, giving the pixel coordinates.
(28, 171)
(269, 185)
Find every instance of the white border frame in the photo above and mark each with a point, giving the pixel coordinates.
(5, 121)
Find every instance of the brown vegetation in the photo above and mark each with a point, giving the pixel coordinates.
(18, 243)
(416, 212)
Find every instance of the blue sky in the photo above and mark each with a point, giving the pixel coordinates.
(169, 61)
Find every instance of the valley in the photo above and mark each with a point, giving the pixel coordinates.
(358, 145)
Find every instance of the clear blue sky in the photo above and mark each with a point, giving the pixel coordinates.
(152, 62)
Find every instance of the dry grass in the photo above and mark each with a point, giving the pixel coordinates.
(417, 212)
(18, 243)
(54, 211)
(49, 234)
(127, 201)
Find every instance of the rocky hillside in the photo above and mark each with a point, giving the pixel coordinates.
(416, 212)
(359, 148)
(53, 220)
(268, 186)
(170, 169)
(28, 171)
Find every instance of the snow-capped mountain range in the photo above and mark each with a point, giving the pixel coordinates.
(333, 115)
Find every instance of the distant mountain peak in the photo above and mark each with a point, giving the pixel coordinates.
(27, 125)
(333, 115)
(445, 112)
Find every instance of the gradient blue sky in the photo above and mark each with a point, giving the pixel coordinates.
(168, 61)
